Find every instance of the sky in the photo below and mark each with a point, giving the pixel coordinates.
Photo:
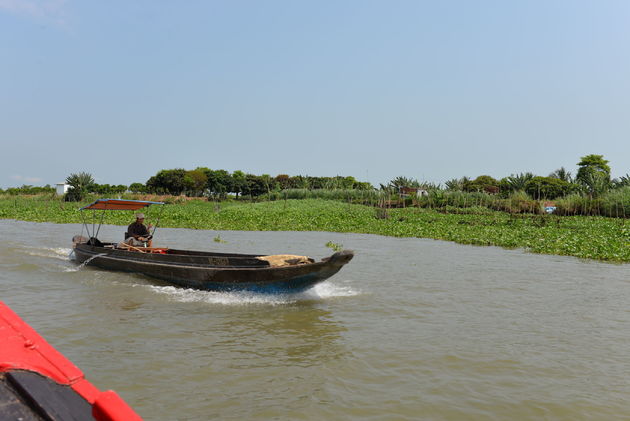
(428, 90)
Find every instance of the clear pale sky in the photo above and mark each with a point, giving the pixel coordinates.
(431, 90)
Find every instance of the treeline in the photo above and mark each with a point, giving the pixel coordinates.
(26, 189)
(591, 191)
(219, 183)
(200, 182)
(29, 190)
(592, 179)
(538, 187)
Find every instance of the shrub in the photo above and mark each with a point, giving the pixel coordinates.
(482, 183)
(547, 187)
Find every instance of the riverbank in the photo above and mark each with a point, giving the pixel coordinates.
(600, 238)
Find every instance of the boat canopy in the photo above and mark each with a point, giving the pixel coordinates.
(119, 204)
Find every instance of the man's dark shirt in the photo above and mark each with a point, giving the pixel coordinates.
(137, 230)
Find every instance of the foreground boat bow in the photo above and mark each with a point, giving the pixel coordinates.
(39, 383)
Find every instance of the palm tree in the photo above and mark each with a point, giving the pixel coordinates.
(80, 184)
(457, 184)
(517, 182)
(596, 184)
(399, 182)
(562, 174)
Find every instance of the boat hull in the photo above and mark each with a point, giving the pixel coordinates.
(37, 382)
(214, 271)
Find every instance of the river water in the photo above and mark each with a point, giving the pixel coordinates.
(411, 329)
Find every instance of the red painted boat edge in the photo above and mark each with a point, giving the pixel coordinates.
(24, 349)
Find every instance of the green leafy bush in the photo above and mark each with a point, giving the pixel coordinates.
(549, 188)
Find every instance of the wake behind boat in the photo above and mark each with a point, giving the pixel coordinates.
(200, 269)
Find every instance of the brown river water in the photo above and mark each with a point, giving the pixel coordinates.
(411, 329)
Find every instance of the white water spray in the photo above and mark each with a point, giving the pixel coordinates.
(325, 290)
(82, 265)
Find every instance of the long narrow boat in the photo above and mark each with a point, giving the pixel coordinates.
(204, 270)
(38, 383)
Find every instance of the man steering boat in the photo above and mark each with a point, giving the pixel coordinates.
(138, 234)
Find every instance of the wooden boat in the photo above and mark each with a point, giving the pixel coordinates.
(205, 270)
(38, 383)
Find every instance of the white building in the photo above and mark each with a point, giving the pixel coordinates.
(62, 188)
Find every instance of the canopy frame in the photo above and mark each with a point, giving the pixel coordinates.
(114, 204)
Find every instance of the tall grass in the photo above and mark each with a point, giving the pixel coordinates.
(462, 202)
(615, 204)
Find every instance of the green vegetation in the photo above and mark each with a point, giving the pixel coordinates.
(27, 189)
(592, 237)
(589, 210)
(547, 188)
(592, 165)
(217, 184)
(592, 184)
(80, 185)
(334, 246)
